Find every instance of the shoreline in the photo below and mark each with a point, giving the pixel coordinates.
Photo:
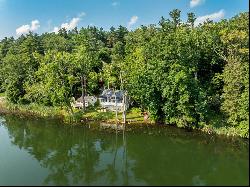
(20, 111)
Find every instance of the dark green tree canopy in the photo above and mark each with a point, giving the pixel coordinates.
(181, 73)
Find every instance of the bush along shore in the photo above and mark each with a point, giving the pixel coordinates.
(134, 117)
(193, 76)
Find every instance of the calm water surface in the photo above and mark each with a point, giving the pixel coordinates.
(40, 152)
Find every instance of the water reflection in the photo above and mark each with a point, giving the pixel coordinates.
(75, 155)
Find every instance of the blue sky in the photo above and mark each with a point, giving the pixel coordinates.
(20, 16)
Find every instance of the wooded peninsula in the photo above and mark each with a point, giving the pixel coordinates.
(182, 74)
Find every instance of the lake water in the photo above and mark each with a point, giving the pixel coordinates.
(45, 152)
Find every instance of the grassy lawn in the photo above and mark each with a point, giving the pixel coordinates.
(133, 115)
(92, 113)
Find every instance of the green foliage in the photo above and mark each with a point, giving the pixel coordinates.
(180, 73)
(235, 95)
(56, 78)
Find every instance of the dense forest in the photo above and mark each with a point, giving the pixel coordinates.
(181, 73)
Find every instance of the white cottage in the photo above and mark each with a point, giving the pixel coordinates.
(111, 100)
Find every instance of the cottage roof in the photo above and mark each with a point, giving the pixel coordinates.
(118, 94)
(86, 98)
(107, 92)
(111, 93)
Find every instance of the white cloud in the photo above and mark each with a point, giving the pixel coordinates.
(71, 25)
(194, 3)
(24, 29)
(56, 29)
(215, 17)
(132, 21)
(34, 25)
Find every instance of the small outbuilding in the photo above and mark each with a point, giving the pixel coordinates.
(89, 101)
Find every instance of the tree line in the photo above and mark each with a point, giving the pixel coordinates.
(181, 73)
